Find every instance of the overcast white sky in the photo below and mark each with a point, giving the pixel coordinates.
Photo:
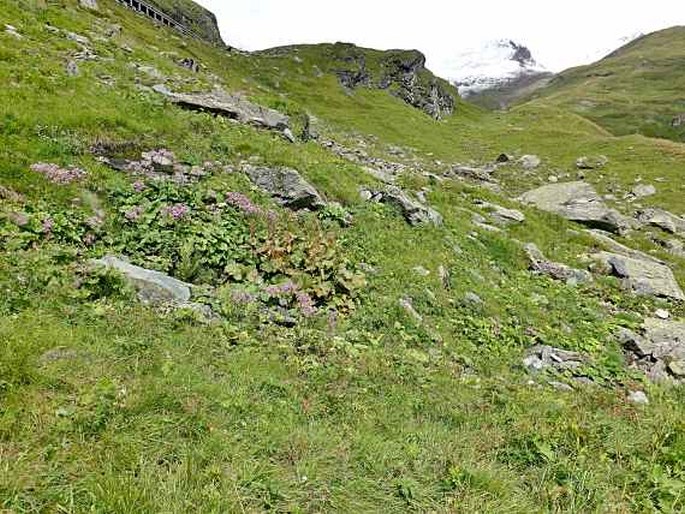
(560, 34)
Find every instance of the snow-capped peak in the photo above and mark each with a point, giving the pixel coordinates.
(490, 65)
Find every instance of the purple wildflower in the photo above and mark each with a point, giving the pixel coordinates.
(58, 175)
(94, 221)
(176, 211)
(48, 225)
(305, 304)
(139, 186)
(243, 203)
(243, 297)
(134, 213)
(281, 289)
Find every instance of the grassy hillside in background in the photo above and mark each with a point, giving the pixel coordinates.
(640, 88)
(109, 406)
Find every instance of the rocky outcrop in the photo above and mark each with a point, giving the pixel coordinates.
(555, 270)
(662, 219)
(286, 186)
(578, 201)
(543, 357)
(658, 349)
(401, 72)
(231, 106)
(154, 288)
(643, 277)
(198, 20)
(501, 215)
(413, 211)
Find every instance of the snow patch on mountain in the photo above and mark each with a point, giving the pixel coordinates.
(493, 64)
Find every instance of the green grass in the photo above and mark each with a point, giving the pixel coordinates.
(637, 89)
(108, 406)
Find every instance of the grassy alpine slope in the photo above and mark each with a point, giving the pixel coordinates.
(109, 406)
(637, 89)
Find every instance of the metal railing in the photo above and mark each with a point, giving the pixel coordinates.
(159, 16)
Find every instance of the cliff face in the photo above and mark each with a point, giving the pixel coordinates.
(402, 72)
(198, 19)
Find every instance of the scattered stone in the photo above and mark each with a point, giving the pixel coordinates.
(10, 195)
(557, 271)
(658, 350)
(154, 287)
(407, 304)
(638, 398)
(662, 219)
(577, 201)
(57, 354)
(444, 275)
(12, 31)
(642, 276)
(616, 247)
(501, 215)
(413, 211)
(502, 158)
(675, 247)
(530, 162)
(89, 4)
(561, 386)
(591, 163)
(542, 357)
(473, 173)
(552, 179)
(286, 186)
(678, 120)
(232, 106)
(190, 64)
(472, 298)
(71, 68)
(642, 191)
(421, 271)
(662, 314)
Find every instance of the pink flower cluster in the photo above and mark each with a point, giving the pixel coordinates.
(304, 302)
(243, 203)
(176, 211)
(58, 175)
(133, 213)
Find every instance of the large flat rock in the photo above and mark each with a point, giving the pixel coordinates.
(286, 186)
(644, 277)
(579, 202)
(154, 287)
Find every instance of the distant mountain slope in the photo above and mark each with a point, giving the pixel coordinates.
(491, 74)
(639, 88)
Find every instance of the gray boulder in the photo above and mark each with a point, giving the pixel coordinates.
(658, 350)
(579, 202)
(286, 186)
(558, 271)
(413, 211)
(662, 219)
(591, 163)
(530, 162)
(231, 106)
(501, 215)
(643, 191)
(542, 357)
(89, 4)
(644, 277)
(154, 287)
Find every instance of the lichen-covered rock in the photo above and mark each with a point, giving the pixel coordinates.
(232, 106)
(558, 271)
(658, 349)
(577, 201)
(642, 276)
(413, 211)
(662, 219)
(286, 186)
(154, 287)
